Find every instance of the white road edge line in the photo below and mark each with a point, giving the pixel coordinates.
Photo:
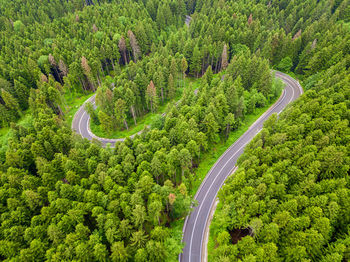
(233, 170)
(289, 83)
(278, 102)
(201, 205)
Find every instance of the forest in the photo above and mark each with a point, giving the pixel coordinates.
(64, 198)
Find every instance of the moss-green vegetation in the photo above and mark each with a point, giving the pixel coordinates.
(72, 103)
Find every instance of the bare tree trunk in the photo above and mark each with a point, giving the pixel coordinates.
(202, 66)
(207, 62)
(107, 66)
(161, 91)
(60, 110)
(216, 66)
(129, 53)
(98, 79)
(183, 79)
(126, 124)
(133, 114)
(82, 83)
(227, 131)
(125, 59)
(103, 72)
(112, 64)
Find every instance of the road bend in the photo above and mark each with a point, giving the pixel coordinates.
(196, 222)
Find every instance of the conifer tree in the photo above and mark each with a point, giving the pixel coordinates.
(87, 71)
(122, 48)
(224, 58)
(196, 63)
(119, 112)
(130, 100)
(151, 96)
(171, 87)
(134, 46)
(184, 67)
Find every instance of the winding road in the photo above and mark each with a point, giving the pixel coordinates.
(197, 222)
(81, 120)
(81, 125)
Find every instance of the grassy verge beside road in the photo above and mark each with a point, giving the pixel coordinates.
(145, 120)
(209, 158)
(73, 103)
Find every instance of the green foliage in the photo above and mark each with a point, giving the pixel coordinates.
(63, 198)
(285, 65)
(291, 188)
(18, 26)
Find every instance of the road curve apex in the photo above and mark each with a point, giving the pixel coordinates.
(196, 223)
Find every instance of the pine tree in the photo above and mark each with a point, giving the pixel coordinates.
(106, 121)
(212, 127)
(10, 103)
(134, 45)
(229, 121)
(173, 68)
(250, 19)
(196, 61)
(130, 100)
(232, 94)
(151, 96)
(87, 70)
(184, 67)
(159, 82)
(90, 110)
(171, 87)
(224, 58)
(119, 112)
(21, 93)
(122, 49)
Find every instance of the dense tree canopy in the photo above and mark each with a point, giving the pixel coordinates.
(63, 198)
(292, 187)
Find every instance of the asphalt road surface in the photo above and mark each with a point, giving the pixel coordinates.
(81, 125)
(188, 20)
(196, 222)
(81, 120)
